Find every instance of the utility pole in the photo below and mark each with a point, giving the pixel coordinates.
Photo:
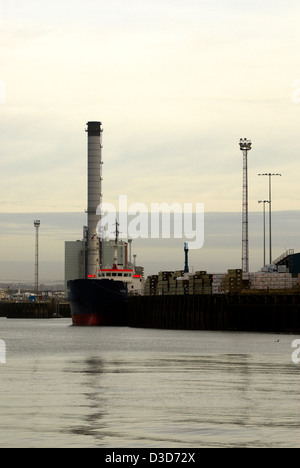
(37, 224)
(264, 224)
(270, 175)
(245, 146)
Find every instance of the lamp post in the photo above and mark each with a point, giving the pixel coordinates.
(270, 175)
(264, 224)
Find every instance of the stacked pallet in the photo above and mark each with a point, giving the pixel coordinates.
(200, 283)
(162, 287)
(295, 283)
(195, 285)
(178, 284)
(150, 285)
(182, 287)
(265, 281)
(178, 274)
(217, 283)
(172, 285)
(233, 281)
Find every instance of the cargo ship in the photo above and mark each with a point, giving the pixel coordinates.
(101, 300)
(98, 302)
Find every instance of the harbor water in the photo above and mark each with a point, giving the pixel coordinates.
(69, 387)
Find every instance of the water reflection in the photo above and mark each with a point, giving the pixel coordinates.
(106, 387)
(182, 400)
(92, 417)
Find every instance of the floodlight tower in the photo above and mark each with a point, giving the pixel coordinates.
(245, 146)
(37, 224)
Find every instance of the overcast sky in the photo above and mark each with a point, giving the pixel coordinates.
(176, 85)
(221, 250)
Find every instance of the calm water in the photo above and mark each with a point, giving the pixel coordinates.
(103, 387)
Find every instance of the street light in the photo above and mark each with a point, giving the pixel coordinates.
(270, 175)
(264, 223)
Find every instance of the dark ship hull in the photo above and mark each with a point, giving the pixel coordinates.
(98, 302)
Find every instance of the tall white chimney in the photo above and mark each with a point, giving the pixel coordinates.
(93, 260)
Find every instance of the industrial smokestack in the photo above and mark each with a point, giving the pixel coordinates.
(93, 260)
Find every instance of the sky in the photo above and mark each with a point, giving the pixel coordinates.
(221, 249)
(175, 85)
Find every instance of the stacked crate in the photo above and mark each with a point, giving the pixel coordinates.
(217, 283)
(233, 282)
(178, 274)
(172, 285)
(246, 281)
(150, 285)
(195, 285)
(200, 283)
(178, 285)
(296, 282)
(182, 287)
(207, 283)
(265, 280)
(162, 287)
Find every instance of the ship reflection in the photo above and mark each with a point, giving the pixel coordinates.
(93, 402)
(163, 399)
